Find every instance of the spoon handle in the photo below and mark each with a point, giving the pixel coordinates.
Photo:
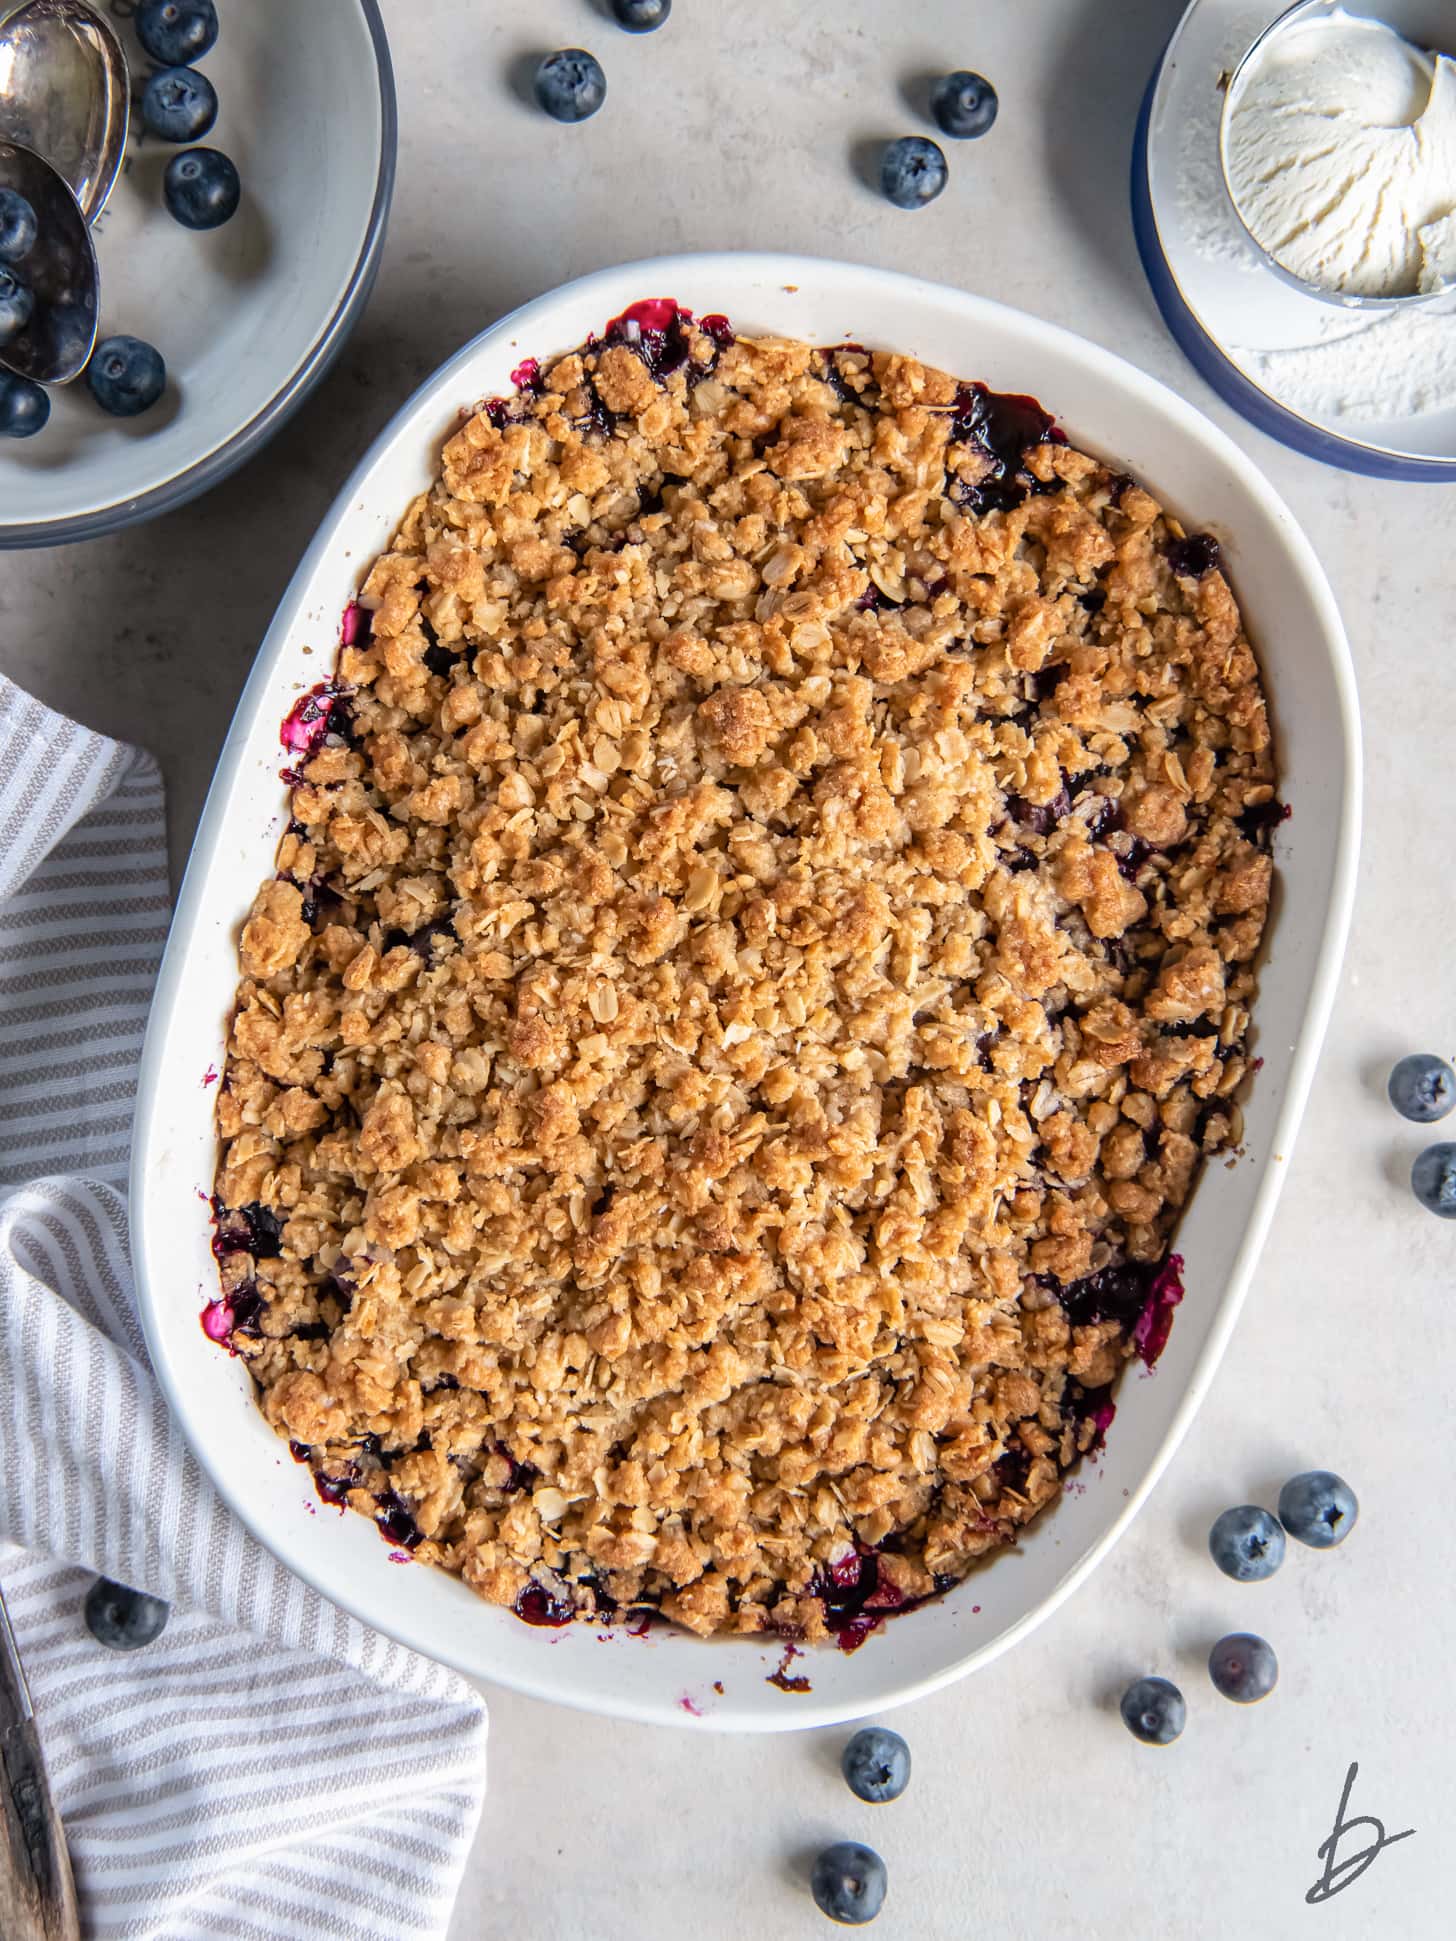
(37, 1894)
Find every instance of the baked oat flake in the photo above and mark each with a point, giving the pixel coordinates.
(763, 947)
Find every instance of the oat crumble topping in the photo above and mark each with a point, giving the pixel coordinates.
(764, 944)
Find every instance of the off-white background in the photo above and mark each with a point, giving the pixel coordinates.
(1032, 1813)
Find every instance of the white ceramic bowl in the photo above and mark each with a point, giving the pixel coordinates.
(247, 316)
(1107, 406)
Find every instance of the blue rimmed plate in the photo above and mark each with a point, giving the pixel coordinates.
(1245, 330)
(249, 316)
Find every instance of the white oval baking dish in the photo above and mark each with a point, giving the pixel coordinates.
(1110, 408)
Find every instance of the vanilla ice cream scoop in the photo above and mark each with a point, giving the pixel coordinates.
(1340, 152)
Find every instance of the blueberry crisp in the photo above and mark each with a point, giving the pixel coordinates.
(762, 948)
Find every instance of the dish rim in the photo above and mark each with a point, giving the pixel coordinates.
(210, 470)
(1327, 943)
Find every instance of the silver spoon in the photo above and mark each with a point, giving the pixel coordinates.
(65, 92)
(60, 269)
(37, 1894)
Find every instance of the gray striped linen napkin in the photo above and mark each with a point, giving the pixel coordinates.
(269, 1769)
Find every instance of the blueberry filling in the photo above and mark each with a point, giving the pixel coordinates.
(1105, 816)
(323, 711)
(657, 330)
(1194, 557)
(597, 418)
(430, 941)
(1136, 1294)
(831, 373)
(521, 1475)
(1004, 426)
(438, 659)
(1012, 1470)
(396, 1520)
(318, 897)
(1131, 854)
(253, 1229)
(1257, 825)
(357, 627)
(537, 1605)
(873, 601)
(1093, 601)
(1094, 1405)
(857, 1598)
(1117, 1292)
(246, 1306)
(1039, 817)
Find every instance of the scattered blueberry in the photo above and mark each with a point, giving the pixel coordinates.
(964, 104)
(1153, 1711)
(24, 407)
(1247, 1544)
(849, 1883)
(1243, 1667)
(1422, 1088)
(1318, 1508)
(570, 85)
(1433, 1180)
(16, 304)
(179, 104)
(122, 1619)
(176, 31)
(641, 16)
(201, 187)
(876, 1765)
(126, 376)
(913, 171)
(17, 226)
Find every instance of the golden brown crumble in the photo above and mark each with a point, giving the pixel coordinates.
(764, 944)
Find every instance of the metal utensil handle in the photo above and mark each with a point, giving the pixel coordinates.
(37, 1894)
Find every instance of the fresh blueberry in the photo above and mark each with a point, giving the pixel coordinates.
(1433, 1180)
(849, 1883)
(126, 376)
(964, 104)
(179, 104)
(1422, 1088)
(1247, 1544)
(1243, 1667)
(201, 187)
(1318, 1508)
(122, 1619)
(913, 171)
(176, 31)
(641, 16)
(876, 1765)
(1153, 1711)
(16, 304)
(24, 407)
(17, 226)
(570, 85)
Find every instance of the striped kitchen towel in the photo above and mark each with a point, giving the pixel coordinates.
(268, 1769)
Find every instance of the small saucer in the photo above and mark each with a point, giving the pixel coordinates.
(1266, 346)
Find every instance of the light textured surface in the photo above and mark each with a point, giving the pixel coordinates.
(1030, 1811)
